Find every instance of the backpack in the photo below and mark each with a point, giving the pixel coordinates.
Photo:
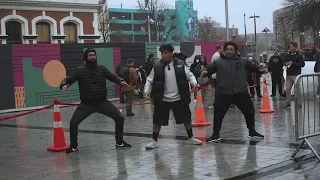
(124, 73)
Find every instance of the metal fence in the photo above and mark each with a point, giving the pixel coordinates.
(306, 110)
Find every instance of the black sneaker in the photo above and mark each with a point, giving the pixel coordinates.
(255, 134)
(287, 106)
(71, 150)
(123, 145)
(214, 138)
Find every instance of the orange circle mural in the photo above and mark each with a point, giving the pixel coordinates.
(54, 72)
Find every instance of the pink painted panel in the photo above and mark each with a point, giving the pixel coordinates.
(116, 62)
(39, 53)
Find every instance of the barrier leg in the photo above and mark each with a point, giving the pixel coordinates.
(312, 149)
(298, 148)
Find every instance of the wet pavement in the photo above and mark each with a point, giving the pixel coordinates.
(24, 140)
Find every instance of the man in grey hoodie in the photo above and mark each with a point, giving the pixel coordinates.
(232, 88)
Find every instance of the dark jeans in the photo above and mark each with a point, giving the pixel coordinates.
(128, 96)
(276, 80)
(251, 83)
(83, 111)
(122, 100)
(222, 104)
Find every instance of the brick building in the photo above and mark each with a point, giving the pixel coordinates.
(36, 21)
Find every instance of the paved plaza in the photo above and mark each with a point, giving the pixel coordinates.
(24, 156)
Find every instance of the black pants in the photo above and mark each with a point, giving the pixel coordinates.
(276, 80)
(83, 111)
(251, 83)
(122, 99)
(222, 104)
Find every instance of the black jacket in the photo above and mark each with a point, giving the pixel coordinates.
(231, 74)
(317, 64)
(159, 81)
(275, 65)
(297, 63)
(149, 66)
(91, 82)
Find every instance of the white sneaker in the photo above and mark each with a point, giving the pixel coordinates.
(210, 107)
(195, 101)
(318, 96)
(152, 145)
(194, 141)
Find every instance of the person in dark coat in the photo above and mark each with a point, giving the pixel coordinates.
(197, 74)
(254, 79)
(149, 64)
(275, 67)
(91, 79)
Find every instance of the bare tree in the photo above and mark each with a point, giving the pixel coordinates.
(283, 31)
(163, 24)
(103, 24)
(304, 14)
(207, 29)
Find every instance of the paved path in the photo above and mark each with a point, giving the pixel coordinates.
(24, 140)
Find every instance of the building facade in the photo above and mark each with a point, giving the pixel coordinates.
(130, 25)
(32, 22)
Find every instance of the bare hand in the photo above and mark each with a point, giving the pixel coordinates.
(148, 96)
(65, 87)
(124, 84)
(194, 87)
(203, 73)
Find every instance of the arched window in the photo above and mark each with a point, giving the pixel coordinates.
(14, 32)
(70, 30)
(43, 31)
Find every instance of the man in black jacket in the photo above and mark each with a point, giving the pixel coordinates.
(91, 79)
(294, 62)
(232, 88)
(275, 68)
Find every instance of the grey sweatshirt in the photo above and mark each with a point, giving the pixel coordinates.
(171, 92)
(231, 74)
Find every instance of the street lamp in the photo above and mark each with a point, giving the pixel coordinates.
(227, 18)
(245, 28)
(255, 26)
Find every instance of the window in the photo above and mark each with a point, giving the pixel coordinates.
(70, 30)
(14, 32)
(43, 32)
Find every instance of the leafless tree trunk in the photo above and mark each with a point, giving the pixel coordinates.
(164, 24)
(207, 29)
(103, 24)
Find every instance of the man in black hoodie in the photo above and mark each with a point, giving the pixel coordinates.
(294, 62)
(91, 79)
(149, 64)
(232, 88)
(275, 68)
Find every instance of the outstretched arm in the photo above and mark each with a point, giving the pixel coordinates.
(70, 79)
(211, 68)
(112, 77)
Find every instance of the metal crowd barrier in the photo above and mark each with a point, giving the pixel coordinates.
(306, 111)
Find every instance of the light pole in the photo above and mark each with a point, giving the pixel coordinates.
(245, 28)
(255, 26)
(255, 32)
(227, 19)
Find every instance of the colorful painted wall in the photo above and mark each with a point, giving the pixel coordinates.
(30, 74)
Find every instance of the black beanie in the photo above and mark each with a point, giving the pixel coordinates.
(86, 52)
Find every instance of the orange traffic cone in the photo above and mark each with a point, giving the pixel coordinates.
(266, 108)
(200, 117)
(59, 141)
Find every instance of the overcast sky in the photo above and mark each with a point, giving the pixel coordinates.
(215, 9)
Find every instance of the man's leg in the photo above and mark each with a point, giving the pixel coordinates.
(221, 106)
(160, 118)
(244, 103)
(129, 96)
(274, 85)
(289, 84)
(81, 113)
(279, 83)
(122, 99)
(258, 89)
(108, 109)
(182, 114)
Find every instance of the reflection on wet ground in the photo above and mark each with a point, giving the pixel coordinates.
(24, 140)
